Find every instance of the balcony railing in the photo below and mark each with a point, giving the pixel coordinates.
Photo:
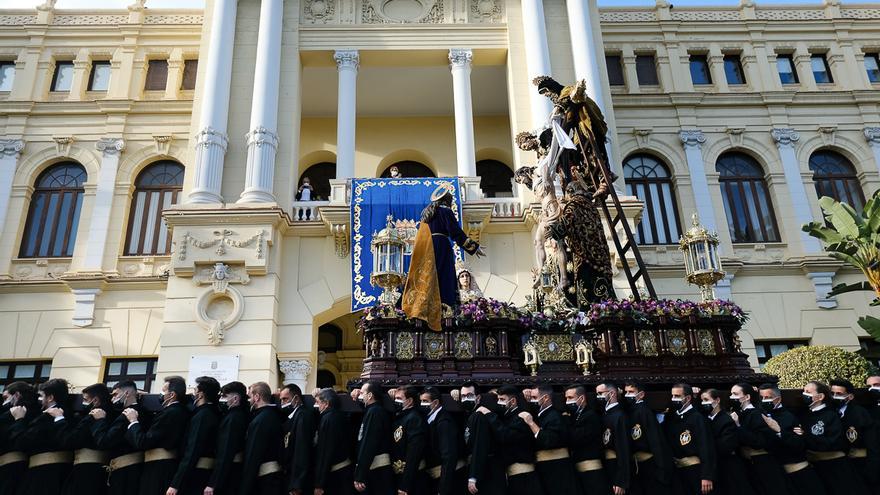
(307, 211)
(505, 207)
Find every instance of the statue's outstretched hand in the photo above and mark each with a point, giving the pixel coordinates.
(481, 252)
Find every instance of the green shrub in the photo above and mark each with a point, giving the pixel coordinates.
(818, 362)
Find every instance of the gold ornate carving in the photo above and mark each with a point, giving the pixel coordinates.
(677, 342)
(434, 345)
(555, 347)
(705, 342)
(464, 346)
(491, 345)
(647, 342)
(405, 345)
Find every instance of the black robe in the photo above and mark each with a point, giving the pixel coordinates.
(230, 443)
(585, 435)
(262, 444)
(557, 476)
(445, 451)
(789, 449)
(652, 476)
(165, 432)
(823, 433)
(333, 448)
(616, 439)
(733, 476)
(75, 434)
(11, 474)
(299, 441)
(517, 446)
(410, 444)
(374, 438)
(109, 434)
(201, 437)
(484, 465)
(766, 471)
(36, 437)
(862, 434)
(690, 435)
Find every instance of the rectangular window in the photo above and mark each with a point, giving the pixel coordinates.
(700, 70)
(872, 65)
(63, 77)
(157, 75)
(821, 71)
(33, 372)
(615, 70)
(99, 79)
(7, 75)
(646, 70)
(766, 349)
(142, 371)
(190, 67)
(733, 70)
(787, 72)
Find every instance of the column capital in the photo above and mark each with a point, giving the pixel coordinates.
(460, 57)
(210, 136)
(872, 135)
(785, 137)
(295, 370)
(260, 135)
(347, 59)
(13, 147)
(110, 146)
(692, 138)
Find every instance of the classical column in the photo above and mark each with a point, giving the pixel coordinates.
(537, 57)
(872, 134)
(211, 139)
(10, 150)
(347, 62)
(460, 65)
(785, 141)
(99, 224)
(295, 371)
(693, 140)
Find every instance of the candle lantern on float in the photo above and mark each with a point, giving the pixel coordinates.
(701, 262)
(388, 247)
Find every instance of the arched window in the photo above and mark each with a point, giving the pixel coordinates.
(319, 176)
(329, 338)
(409, 169)
(835, 177)
(53, 216)
(747, 201)
(156, 189)
(649, 179)
(496, 179)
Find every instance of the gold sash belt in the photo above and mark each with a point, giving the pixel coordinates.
(436, 471)
(858, 453)
(683, 462)
(520, 468)
(126, 460)
(551, 454)
(610, 454)
(12, 457)
(153, 455)
(205, 463)
(47, 458)
(90, 456)
(824, 456)
(749, 452)
(380, 461)
(643, 456)
(340, 465)
(588, 465)
(795, 467)
(268, 468)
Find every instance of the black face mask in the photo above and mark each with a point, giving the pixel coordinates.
(676, 405)
(224, 406)
(468, 405)
(630, 399)
(571, 407)
(426, 409)
(735, 405)
(707, 407)
(601, 402)
(874, 395)
(838, 403)
(398, 405)
(119, 405)
(808, 399)
(767, 406)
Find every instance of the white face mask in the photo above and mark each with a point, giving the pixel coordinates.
(224, 400)
(571, 402)
(425, 404)
(86, 404)
(874, 387)
(502, 403)
(733, 397)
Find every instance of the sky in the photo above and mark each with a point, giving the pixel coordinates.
(156, 4)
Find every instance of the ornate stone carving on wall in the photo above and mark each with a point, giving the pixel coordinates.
(488, 11)
(221, 306)
(319, 11)
(222, 239)
(402, 11)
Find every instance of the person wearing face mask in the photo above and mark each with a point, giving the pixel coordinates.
(109, 429)
(300, 424)
(826, 442)
(409, 443)
(485, 472)
(13, 462)
(873, 406)
(515, 441)
(789, 449)
(733, 476)
(585, 437)
(231, 434)
(652, 473)
(372, 472)
(859, 430)
(162, 440)
(754, 437)
(75, 434)
(261, 469)
(615, 438)
(445, 466)
(333, 470)
(692, 444)
(48, 464)
(199, 444)
(553, 465)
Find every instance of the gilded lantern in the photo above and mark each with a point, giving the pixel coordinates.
(701, 262)
(388, 247)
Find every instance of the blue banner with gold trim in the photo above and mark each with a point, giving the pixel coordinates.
(372, 200)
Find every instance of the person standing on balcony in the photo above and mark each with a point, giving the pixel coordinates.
(304, 193)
